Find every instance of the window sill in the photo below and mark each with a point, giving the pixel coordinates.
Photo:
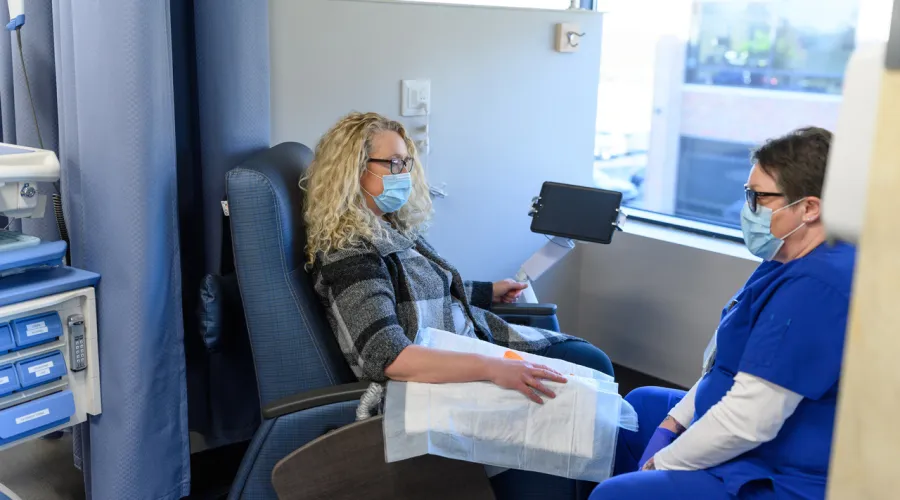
(708, 237)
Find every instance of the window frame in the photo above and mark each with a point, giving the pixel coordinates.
(685, 224)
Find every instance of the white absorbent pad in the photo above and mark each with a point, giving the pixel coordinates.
(573, 435)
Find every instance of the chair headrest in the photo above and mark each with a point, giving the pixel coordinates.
(278, 170)
(294, 348)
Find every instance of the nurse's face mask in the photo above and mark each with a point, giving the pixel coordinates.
(756, 224)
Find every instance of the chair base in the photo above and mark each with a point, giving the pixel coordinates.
(349, 464)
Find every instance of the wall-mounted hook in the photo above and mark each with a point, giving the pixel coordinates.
(573, 36)
(568, 37)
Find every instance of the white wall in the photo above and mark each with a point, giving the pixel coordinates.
(653, 305)
(508, 111)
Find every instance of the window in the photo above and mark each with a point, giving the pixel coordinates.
(687, 92)
(769, 45)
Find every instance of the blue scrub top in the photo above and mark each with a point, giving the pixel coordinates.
(786, 326)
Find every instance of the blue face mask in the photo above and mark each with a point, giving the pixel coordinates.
(757, 228)
(397, 188)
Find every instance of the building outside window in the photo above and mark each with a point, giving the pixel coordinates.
(686, 93)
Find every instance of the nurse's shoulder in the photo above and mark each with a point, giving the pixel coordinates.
(830, 264)
(799, 323)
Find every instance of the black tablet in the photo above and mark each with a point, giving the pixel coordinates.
(576, 212)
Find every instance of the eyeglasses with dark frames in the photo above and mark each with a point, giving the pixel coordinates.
(754, 196)
(397, 165)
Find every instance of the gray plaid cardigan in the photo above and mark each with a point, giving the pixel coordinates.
(379, 295)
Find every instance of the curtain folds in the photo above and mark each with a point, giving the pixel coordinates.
(147, 105)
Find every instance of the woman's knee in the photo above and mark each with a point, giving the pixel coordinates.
(595, 358)
(582, 353)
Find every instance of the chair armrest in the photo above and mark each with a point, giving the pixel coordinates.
(314, 398)
(517, 309)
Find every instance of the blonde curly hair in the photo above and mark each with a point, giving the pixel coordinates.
(335, 211)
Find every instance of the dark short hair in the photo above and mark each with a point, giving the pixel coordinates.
(796, 161)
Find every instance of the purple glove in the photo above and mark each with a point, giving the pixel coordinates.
(660, 439)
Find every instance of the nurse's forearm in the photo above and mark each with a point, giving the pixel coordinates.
(750, 414)
(431, 366)
(671, 424)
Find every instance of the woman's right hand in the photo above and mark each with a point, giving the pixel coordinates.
(524, 377)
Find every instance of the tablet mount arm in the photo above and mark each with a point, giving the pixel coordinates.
(559, 213)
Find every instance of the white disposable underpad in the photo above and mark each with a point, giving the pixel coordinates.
(573, 435)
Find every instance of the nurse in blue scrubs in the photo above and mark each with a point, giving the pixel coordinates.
(758, 424)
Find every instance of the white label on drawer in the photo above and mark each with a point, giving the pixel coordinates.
(4, 380)
(31, 416)
(41, 369)
(38, 328)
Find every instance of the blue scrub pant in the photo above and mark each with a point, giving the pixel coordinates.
(652, 405)
(524, 485)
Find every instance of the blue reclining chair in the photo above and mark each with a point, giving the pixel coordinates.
(306, 388)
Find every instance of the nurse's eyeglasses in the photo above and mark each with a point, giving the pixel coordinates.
(397, 165)
(754, 196)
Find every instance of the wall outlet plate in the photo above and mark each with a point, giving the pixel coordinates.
(415, 98)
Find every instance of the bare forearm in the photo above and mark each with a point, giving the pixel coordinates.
(422, 364)
(671, 424)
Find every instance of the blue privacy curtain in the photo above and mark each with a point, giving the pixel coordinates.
(117, 151)
(147, 104)
(222, 77)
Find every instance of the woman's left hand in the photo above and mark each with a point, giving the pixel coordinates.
(507, 291)
(650, 465)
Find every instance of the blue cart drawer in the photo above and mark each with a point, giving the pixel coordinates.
(6, 339)
(36, 371)
(37, 329)
(34, 416)
(9, 381)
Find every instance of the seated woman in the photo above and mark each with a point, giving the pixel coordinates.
(758, 424)
(367, 206)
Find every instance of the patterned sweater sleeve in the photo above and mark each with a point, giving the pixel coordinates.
(362, 306)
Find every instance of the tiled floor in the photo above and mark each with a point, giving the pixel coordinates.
(42, 470)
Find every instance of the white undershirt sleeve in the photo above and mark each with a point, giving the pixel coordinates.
(683, 412)
(751, 413)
